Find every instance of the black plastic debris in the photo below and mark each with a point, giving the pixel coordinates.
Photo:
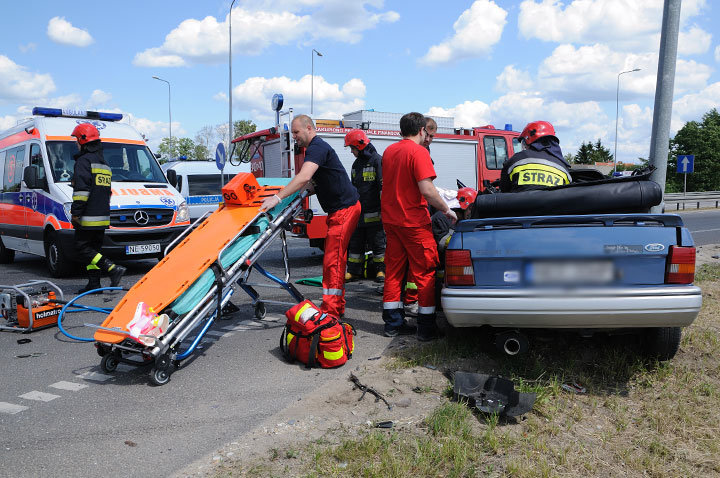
(492, 394)
(386, 424)
(23, 341)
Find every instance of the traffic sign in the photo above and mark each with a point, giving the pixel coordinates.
(220, 156)
(686, 163)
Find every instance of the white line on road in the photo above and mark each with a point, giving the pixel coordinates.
(39, 396)
(95, 376)
(71, 386)
(705, 230)
(11, 408)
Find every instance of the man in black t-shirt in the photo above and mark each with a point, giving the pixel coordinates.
(338, 198)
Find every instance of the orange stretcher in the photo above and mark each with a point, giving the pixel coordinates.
(192, 255)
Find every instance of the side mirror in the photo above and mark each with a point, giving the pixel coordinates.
(30, 177)
(172, 177)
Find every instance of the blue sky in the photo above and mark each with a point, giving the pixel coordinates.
(483, 62)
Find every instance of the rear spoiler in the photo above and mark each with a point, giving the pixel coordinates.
(607, 220)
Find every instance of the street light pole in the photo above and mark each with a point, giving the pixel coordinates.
(312, 77)
(169, 113)
(617, 110)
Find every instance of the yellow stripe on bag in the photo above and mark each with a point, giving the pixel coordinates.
(333, 355)
(330, 339)
(289, 338)
(302, 309)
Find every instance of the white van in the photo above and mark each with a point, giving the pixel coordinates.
(200, 182)
(36, 161)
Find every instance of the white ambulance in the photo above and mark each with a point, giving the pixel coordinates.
(36, 166)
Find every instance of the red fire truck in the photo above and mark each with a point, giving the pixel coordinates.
(473, 156)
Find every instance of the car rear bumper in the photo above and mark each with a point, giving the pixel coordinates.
(667, 306)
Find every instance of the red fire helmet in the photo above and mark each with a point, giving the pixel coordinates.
(536, 130)
(466, 196)
(357, 138)
(85, 132)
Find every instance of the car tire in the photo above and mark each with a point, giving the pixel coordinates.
(57, 261)
(7, 256)
(662, 343)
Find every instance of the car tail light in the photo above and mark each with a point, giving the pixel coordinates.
(458, 267)
(680, 265)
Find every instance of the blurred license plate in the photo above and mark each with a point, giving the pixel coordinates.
(142, 249)
(571, 272)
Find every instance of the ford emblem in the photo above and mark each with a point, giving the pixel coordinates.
(655, 247)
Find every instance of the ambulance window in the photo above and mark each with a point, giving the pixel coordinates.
(517, 147)
(36, 159)
(14, 161)
(203, 184)
(495, 151)
(60, 156)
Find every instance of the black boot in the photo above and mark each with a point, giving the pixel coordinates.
(116, 273)
(427, 328)
(93, 281)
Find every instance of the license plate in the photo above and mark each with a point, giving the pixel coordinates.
(142, 249)
(571, 272)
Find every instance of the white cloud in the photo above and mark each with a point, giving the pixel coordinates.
(330, 99)
(99, 98)
(467, 114)
(28, 47)
(693, 106)
(717, 53)
(625, 24)
(512, 79)
(61, 31)
(477, 30)
(154, 131)
(260, 24)
(8, 121)
(694, 41)
(16, 83)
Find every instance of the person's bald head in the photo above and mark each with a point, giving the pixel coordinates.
(303, 130)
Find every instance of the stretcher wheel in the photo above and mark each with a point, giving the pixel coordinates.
(260, 311)
(109, 363)
(159, 377)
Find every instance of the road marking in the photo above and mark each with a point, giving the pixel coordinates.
(71, 386)
(218, 333)
(95, 376)
(11, 408)
(39, 396)
(705, 230)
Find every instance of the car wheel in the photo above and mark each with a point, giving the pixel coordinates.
(662, 343)
(57, 262)
(7, 256)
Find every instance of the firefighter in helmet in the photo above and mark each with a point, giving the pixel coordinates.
(366, 176)
(540, 165)
(90, 210)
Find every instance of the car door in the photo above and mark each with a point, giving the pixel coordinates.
(36, 202)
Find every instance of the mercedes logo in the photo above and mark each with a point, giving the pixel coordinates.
(141, 218)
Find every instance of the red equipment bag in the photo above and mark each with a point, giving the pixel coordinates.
(315, 338)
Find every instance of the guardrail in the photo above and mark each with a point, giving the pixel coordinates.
(698, 199)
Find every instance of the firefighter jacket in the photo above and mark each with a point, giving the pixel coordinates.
(91, 188)
(366, 176)
(535, 168)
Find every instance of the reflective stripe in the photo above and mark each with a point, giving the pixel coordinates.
(81, 193)
(410, 286)
(332, 291)
(95, 221)
(99, 168)
(91, 267)
(426, 310)
(392, 305)
(96, 259)
(379, 259)
(545, 162)
(289, 338)
(358, 258)
(539, 172)
(330, 339)
(333, 355)
(79, 198)
(371, 219)
(302, 309)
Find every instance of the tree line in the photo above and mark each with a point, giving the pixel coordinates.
(206, 140)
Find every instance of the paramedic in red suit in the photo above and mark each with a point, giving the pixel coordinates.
(408, 175)
(338, 198)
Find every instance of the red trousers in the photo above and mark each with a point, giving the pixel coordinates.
(412, 247)
(341, 225)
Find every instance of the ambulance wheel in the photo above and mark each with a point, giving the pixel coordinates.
(7, 256)
(109, 363)
(57, 262)
(260, 311)
(159, 377)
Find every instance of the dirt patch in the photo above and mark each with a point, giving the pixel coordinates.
(413, 394)
(708, 254)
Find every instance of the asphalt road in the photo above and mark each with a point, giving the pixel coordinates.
(60, 415)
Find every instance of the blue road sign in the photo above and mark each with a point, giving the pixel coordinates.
(220, 156)
(686, 163)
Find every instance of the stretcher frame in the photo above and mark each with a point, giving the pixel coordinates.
(165, 354)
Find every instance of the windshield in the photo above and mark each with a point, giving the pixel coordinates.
(129, 162)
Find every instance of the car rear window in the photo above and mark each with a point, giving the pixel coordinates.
(205, 184)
